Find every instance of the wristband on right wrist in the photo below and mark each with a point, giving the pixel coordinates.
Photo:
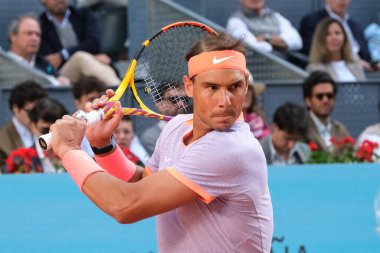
(106, 149)
(117, 164)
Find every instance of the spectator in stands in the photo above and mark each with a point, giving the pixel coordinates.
(372, 34)
(252, 113)
(45, 112)
(331, 52)
(24, 34)
(69, 33)
(285, 143)
(319, 92)
(336, 9)
(263, 28)
(17, 133)
(92, 3)
(171, 103)
(87, 89)
(124, 136)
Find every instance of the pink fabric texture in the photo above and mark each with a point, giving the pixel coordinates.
(80, 166)
(117, 164)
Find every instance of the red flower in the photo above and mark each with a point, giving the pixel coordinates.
(23, 160)
(349, 140)
(313, 146)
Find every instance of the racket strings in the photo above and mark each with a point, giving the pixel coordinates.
(162, 66)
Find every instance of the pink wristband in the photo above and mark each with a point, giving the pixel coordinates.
(80, 165)
(117, 164)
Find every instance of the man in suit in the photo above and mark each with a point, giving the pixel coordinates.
(319, 92)
(24, 34)
(69, 33)
(17, 132)
(336, 9)
(284, 145)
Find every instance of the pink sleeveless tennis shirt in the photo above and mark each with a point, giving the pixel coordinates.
(228, 171)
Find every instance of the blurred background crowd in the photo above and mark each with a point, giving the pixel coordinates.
(313, 92)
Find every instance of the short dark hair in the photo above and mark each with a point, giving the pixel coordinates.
(47, 109)
(315, 78)
(291, 118)
(217, 42)
(86, 85)
(27, 91)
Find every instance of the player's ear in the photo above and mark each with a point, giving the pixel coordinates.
(188, 86)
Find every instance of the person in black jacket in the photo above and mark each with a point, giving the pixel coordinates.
(73, 33)
(337, 10)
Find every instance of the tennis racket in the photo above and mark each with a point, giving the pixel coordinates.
(158, 69)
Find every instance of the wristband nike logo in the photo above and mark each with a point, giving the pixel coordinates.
(217, 61)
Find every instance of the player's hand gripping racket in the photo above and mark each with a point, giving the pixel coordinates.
(158, 68)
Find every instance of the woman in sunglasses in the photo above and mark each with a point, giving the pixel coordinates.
(331, 52)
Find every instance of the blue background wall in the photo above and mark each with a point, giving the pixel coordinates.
(324, 208)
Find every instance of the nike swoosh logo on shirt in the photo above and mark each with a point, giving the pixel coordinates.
(216, 61)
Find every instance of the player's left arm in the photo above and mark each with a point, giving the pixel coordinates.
(131, 202)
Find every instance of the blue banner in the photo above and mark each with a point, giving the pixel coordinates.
(317, 208)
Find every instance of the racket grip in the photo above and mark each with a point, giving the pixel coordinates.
(91, 118)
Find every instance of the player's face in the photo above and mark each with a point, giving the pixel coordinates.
(322, 100)
(124, 134)
(27, 40)
(255, 5)
(218, 97)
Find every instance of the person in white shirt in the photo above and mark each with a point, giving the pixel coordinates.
(17, 132)
(319, 92)
(263, 28)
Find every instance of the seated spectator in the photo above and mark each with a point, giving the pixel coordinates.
(69, 33)
(17, 132)
(24, 34)
(372, 34)
(284, 145)
(338, 10)
(263, 28)
(92, 3)
(86, 90)
(45, 113)
(331, 52)
(253, 115)
(319, 93)
(171, 102)
(129, 143)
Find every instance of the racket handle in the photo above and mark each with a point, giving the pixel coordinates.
(91, 118)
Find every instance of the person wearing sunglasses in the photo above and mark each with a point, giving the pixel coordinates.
(45, 112)
(319, 92)
(17, 132)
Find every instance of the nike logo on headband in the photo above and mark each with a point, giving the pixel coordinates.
(217, 61)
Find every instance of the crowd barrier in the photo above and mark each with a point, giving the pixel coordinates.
(320, 208)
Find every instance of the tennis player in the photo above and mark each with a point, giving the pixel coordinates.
(207, 179)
